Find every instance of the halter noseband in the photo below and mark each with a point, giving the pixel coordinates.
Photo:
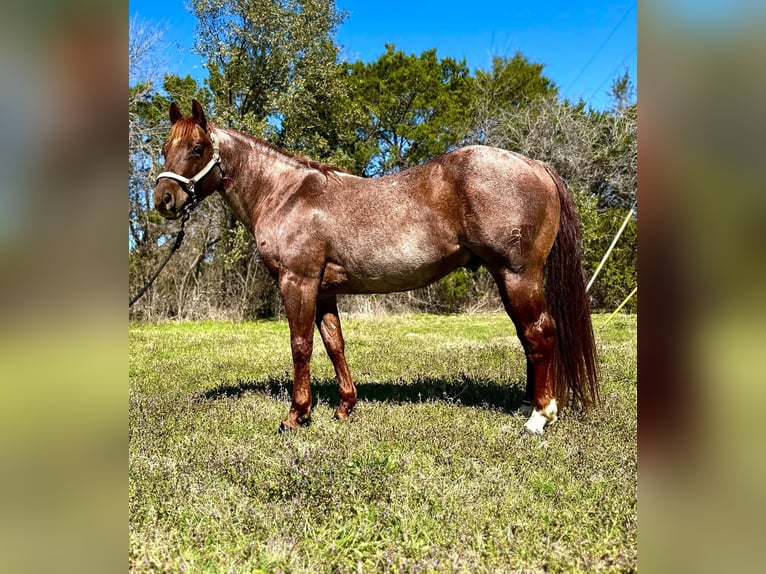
(189, 183)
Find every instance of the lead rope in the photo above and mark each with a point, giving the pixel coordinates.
(173, 249)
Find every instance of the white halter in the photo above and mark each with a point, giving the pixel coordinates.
(189, 183)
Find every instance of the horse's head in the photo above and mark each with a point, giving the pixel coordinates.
(192, 163)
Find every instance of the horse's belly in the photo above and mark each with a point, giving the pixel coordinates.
(381, 260)
(388, 271)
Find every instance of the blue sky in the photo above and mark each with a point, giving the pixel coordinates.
(583, 45)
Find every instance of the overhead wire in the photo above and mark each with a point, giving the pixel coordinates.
(601, 47)
(611, 74)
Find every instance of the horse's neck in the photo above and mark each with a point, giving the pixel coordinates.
(254, 172)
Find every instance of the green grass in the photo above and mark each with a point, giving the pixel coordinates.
(432, 475)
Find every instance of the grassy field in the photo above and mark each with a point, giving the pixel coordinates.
(431, 476)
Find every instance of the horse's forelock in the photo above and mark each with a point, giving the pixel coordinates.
(183, 129)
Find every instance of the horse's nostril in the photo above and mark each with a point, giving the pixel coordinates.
(168, 200)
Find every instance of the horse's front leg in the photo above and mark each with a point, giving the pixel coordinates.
(328, 322)
(300, 297)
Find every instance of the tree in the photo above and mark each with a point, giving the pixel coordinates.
(414, 108)
(614, 158)
(145, 62)
(508, 88)
(273, 68)
(514, 83)
(622, 92)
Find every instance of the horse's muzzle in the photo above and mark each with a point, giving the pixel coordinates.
(166, 201)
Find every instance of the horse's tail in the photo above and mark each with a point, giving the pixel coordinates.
(575, 367)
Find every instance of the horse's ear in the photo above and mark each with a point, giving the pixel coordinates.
(175, 113)
(199, 115)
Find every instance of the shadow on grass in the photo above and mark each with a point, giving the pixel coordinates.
(458, 390)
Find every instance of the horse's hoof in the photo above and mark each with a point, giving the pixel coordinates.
(344, 415)
(345, 419)
(302, 422)
(283, 428)
(538, 420)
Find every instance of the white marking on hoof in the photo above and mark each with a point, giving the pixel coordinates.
(539, 418)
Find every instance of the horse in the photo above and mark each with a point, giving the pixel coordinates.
(322, 232)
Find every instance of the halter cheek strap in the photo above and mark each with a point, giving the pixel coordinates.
(188, 183)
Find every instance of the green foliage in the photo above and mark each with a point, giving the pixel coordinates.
(614, 155)
(432, 475)
(618, 276)
(510, 87)
(272, 68)
(457, 285)
(182, 91)
(622, 92)
(415, 108)
(514, 83)
(463, 290)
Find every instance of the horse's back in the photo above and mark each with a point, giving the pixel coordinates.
(406, 230)
(392, 233)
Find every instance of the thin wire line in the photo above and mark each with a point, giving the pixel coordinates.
(611, 75)
(601, 47)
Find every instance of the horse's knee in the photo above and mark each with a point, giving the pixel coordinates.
(302, 348)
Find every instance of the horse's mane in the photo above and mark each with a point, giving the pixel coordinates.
(184, 128)
(303, 160)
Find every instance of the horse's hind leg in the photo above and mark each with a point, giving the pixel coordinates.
(524, 301)
(328, 322)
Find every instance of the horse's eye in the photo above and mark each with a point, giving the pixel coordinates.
(197, 150)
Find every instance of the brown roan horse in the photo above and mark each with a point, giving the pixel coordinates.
(322, 232)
